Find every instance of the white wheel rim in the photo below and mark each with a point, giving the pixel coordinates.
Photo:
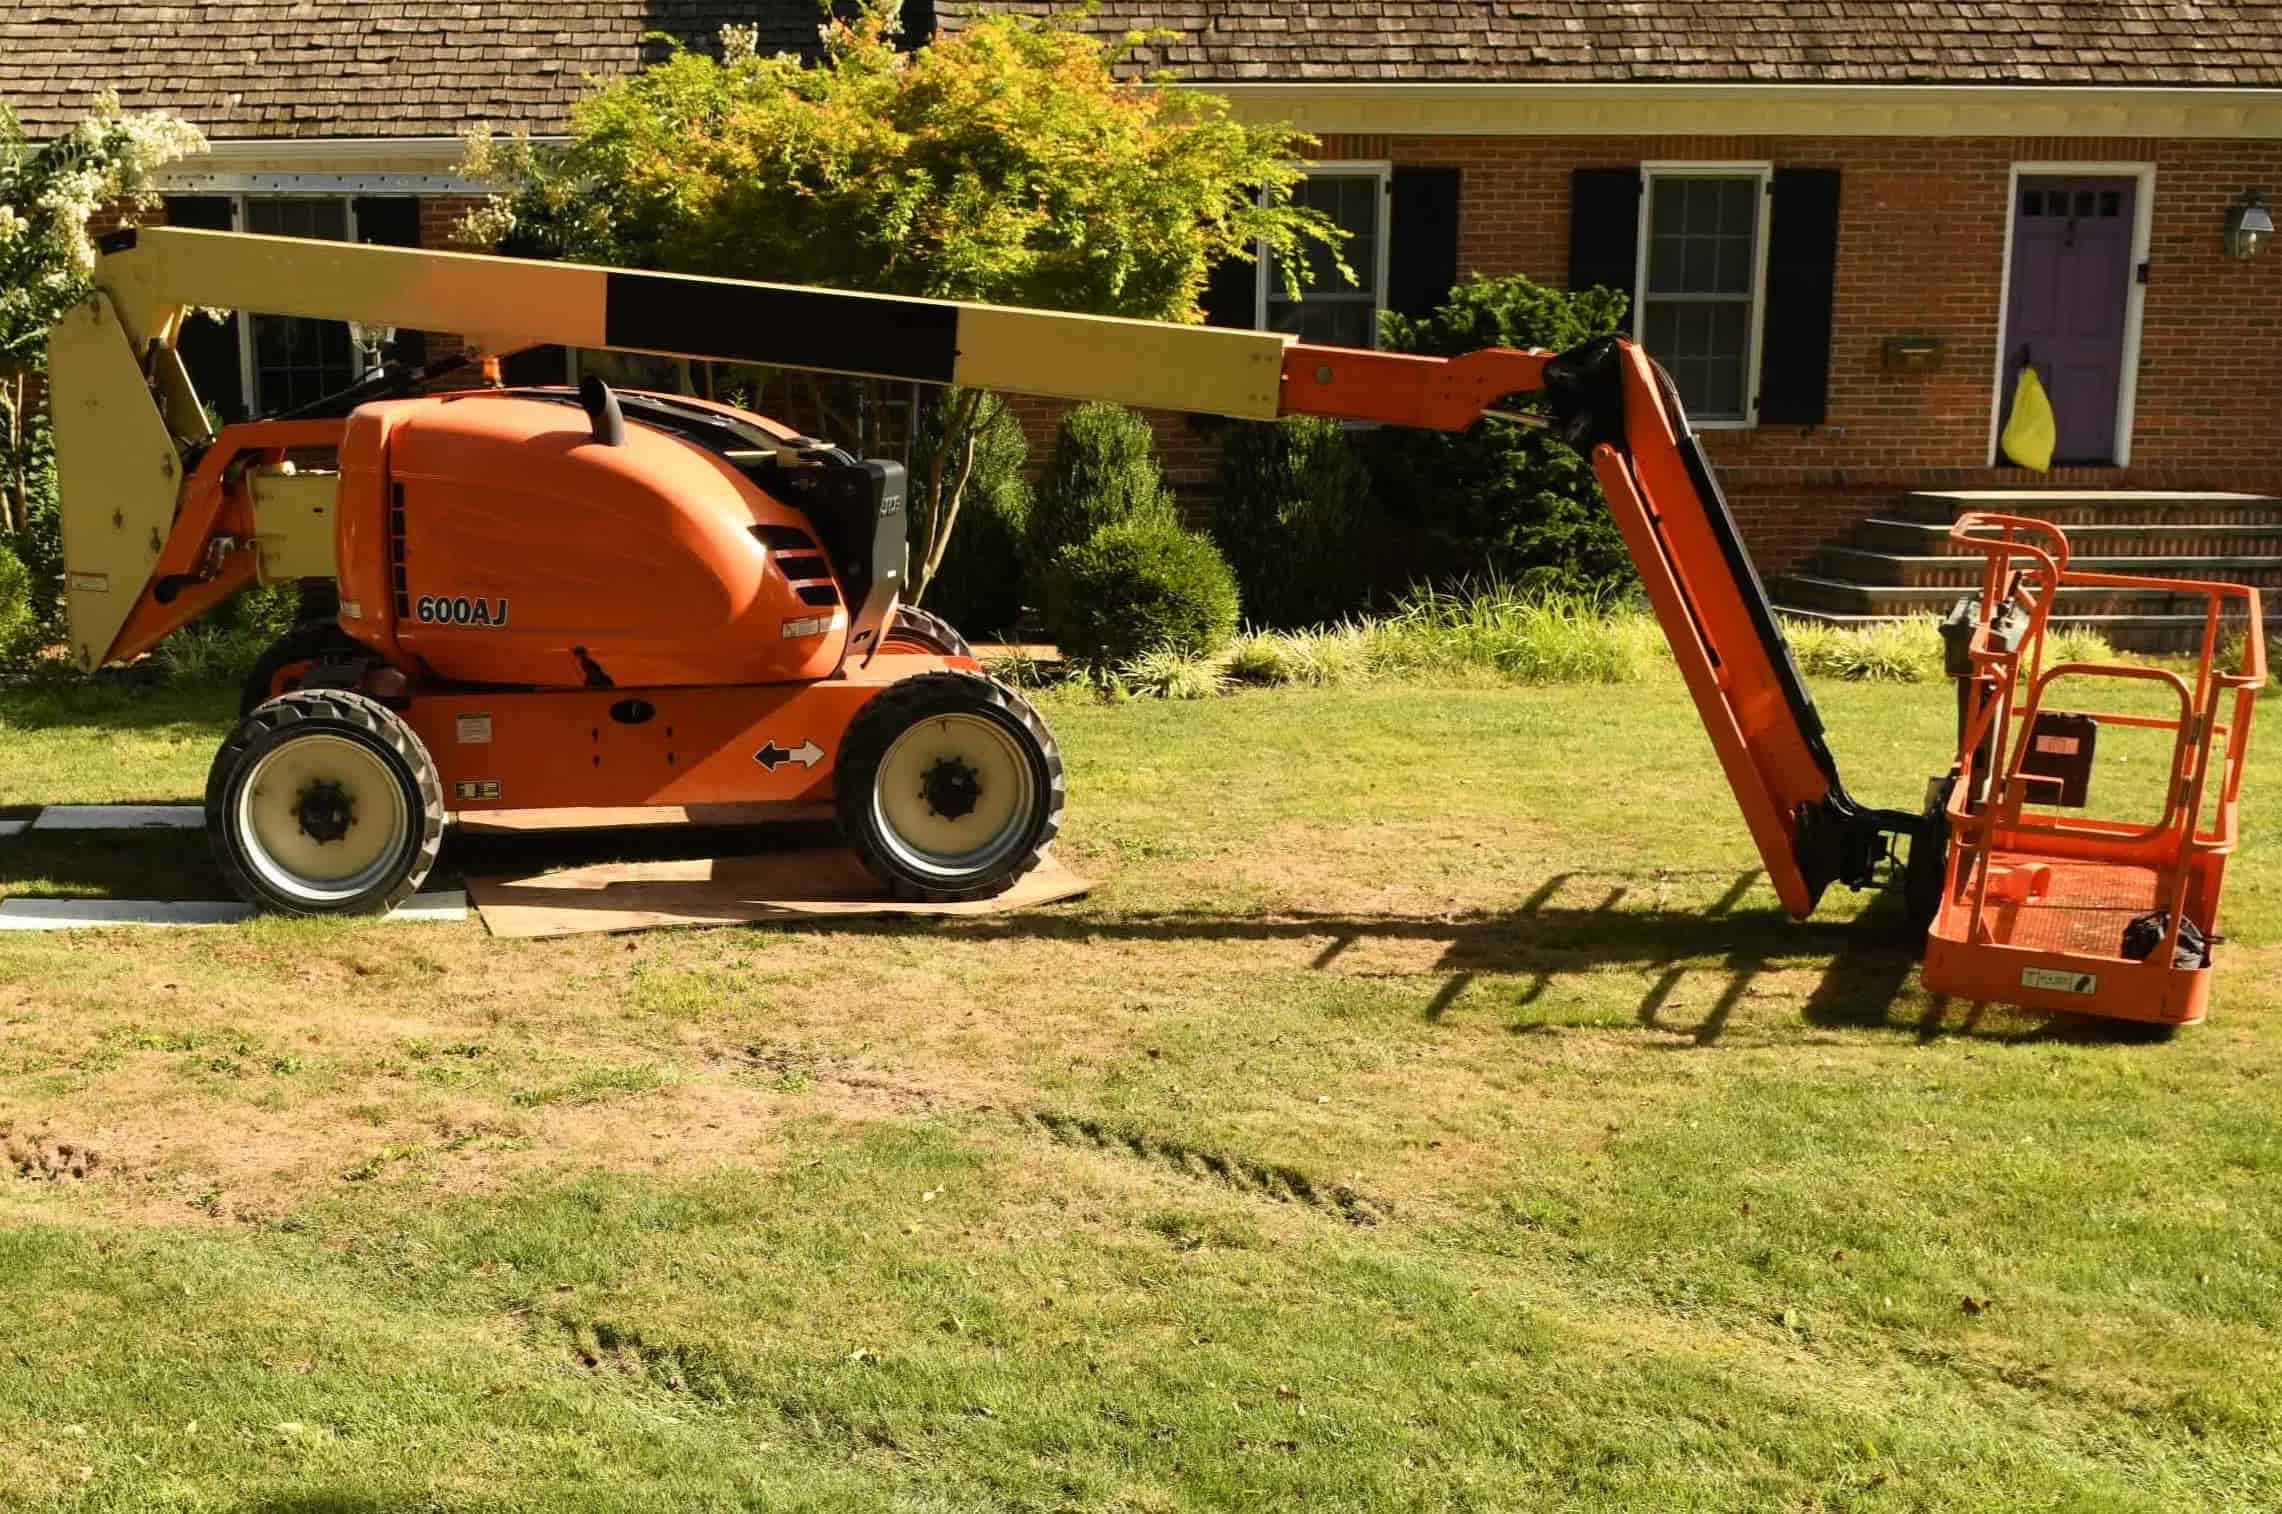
(954, 752)
(278, 845)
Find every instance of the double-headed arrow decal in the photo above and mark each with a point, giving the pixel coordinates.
(772, 756)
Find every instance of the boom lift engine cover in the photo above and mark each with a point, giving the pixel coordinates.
(554, 598)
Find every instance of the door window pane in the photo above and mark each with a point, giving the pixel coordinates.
(1330, 310)
(299, 361)
(1698, 310)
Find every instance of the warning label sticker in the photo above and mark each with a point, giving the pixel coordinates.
(474, 730)
(2055, 980)
(481, 788)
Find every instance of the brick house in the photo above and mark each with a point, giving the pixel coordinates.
(1844, 227)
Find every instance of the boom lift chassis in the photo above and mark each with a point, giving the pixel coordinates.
(165, 517)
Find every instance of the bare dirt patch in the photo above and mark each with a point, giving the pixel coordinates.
(42, 1156)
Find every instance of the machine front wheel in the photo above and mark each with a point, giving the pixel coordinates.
(323, 802)
(949, 786)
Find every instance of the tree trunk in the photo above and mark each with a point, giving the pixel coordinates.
(15, 509)
(958, 435)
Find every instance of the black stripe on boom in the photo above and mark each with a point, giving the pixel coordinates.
(791, 328)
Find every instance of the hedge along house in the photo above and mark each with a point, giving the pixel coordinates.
(1843, 228)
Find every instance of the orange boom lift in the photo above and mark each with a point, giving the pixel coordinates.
(556, 598)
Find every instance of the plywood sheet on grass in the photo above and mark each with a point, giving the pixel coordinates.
(628, 896)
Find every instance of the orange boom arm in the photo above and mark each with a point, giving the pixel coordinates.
(1611, 403)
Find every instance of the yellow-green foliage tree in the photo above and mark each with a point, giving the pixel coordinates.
(1006, 162)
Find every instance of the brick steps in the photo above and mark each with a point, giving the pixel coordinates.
(2137, 543)
(1902, 563)
(2097, 507)
(1961, 571)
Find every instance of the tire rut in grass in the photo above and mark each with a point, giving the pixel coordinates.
(1278, 1181)
(602, 1346)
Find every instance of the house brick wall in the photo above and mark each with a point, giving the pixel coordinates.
(1921, 249)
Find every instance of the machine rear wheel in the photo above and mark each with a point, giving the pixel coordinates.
(279, 670)
(323, 802)
(917, 630)
(949, 786)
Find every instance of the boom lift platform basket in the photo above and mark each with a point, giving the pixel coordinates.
(553, 598)
(2073, 912)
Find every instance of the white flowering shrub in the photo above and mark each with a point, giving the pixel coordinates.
(48, 192)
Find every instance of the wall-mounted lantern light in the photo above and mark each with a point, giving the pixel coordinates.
(2249, 227)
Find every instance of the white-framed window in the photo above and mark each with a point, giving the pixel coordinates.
(280, 363)
(1331, 311)
(1700, 292)
(290, 361)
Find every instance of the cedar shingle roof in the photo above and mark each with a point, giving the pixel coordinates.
(1684, 41)
(351, 68)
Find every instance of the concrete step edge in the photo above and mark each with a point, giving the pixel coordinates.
(1949, 592)
(1940, 529)
(2144, 565)
(1996, 499)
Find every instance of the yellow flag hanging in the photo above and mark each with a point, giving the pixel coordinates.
(2029, 434)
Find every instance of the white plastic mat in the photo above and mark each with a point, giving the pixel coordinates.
(84, 914)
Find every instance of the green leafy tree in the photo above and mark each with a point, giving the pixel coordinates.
(1498, 499)
(49, 190)
(979, 585)
(1005, 162)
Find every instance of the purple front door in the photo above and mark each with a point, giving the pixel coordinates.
(2071, 281)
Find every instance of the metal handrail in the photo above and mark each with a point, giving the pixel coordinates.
(2019, 565)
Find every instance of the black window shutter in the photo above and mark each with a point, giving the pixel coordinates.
(209, 348)
(1232, 293)
(394, 221)
(1802, 267)
(1422, 247)
(388, 220)
(1604, 228)
(200, 212)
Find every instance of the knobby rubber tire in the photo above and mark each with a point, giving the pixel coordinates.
(341, 713)
(920, 630)
(307, 642)
(896, 709)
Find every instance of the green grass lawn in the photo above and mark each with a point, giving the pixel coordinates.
(1430, 1109)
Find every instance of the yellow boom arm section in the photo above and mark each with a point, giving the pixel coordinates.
(124, 406)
